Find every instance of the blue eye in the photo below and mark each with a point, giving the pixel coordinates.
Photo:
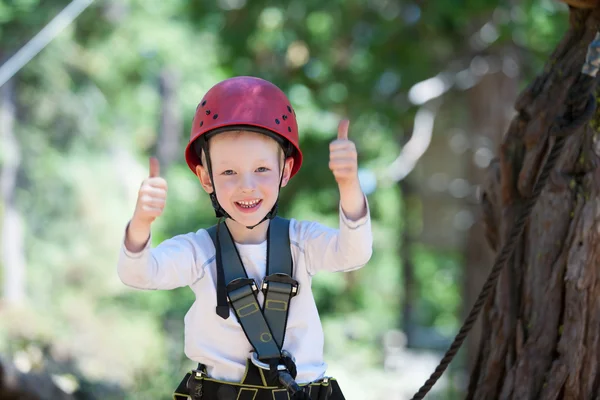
(262, 169)
(228, 172)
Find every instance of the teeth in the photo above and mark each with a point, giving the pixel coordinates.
(248, 203)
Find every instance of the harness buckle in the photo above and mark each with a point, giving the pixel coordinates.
(263, 365)
(195, 384)
(199, 373)
(239, 283)
(280, 278)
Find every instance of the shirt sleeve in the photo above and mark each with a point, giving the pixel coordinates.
(345, 249)
(174, 263)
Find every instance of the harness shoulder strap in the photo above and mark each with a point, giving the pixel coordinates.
(278, 286)
(265, 329)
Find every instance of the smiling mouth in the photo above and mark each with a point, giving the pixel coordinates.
(249, 204)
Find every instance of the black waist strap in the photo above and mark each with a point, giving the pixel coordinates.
(196, 385)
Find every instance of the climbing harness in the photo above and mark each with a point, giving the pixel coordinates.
(270, 367)
(581, 105)
(198, 385)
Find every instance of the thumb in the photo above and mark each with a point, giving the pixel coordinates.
(154, 167)
(343, 129)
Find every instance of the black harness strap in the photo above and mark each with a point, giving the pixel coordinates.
(264, 327)
(278, 286)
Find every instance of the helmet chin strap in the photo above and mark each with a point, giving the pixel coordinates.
(220, 211)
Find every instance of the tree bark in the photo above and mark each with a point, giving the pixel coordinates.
(541, 328)
(12, 252)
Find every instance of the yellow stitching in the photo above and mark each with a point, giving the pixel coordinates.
(248, 390)
(262, 377)
(265, 337)
(276, 305)
(249, 312)
(279, 391)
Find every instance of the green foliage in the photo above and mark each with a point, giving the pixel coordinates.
(88, 114)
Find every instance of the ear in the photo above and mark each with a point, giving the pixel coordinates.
(287, 171)
(204, 178)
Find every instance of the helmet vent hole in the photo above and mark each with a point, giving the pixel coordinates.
(284, 117)
(289, 129)
(215, 116)
(201, 123)
(276, 121)
(203, 103)
(289, 108)
(207, 112)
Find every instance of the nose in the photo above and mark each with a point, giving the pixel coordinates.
(247, 183)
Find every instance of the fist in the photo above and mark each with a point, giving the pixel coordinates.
(152, 196)
(343, 159)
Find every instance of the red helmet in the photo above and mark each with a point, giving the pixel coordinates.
(245, 101)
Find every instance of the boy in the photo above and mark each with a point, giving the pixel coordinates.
(243, 148)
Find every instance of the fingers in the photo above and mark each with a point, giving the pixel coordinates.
(339, 144)
(342, 150)
(342, 142)
(344, 164)
(151, 202)
(156, 182)
(152, 195)
(343, 129)
(343, 155)
(154, 167)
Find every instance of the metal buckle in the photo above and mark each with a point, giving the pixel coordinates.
(198, 373)
(263, 365)
(257, 362)
(281, 278)
(238, 283)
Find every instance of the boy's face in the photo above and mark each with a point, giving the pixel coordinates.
(246, 169)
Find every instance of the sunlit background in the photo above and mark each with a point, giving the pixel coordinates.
(90, 89)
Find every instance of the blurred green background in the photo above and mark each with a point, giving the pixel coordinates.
(428, 87)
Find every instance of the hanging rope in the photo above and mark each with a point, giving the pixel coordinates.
(580, 106)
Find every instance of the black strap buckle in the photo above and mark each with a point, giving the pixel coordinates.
(280, 278)
(195, 384)
(238, 288)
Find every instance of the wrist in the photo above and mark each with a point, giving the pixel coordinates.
(352, 200)
(350, 190)
(137, 235)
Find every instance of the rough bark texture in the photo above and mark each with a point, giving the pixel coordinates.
(541, 328)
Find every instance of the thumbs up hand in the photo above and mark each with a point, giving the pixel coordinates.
(343, 158)
(343, 162)
(152, 195)
(151, 201)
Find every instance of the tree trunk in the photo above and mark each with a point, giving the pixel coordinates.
(168, 145)
(12, 252)
(408, 268)
(541, 328)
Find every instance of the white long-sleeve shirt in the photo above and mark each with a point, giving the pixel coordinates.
(220, 344)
